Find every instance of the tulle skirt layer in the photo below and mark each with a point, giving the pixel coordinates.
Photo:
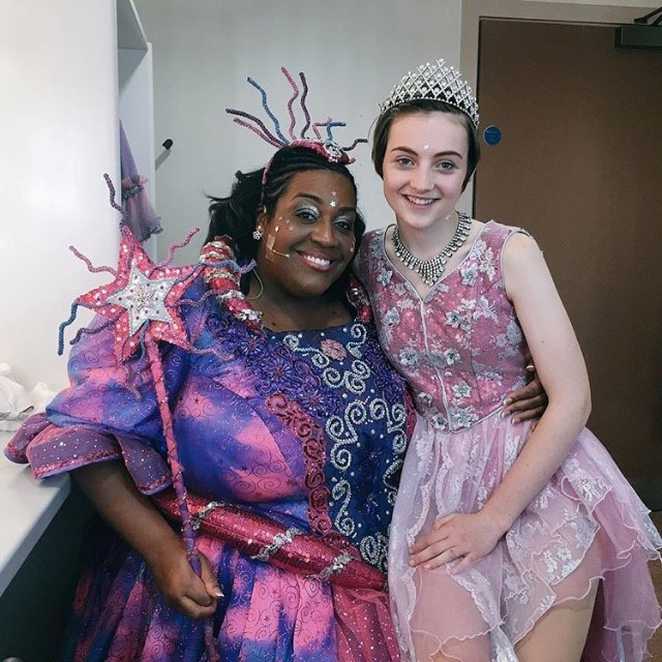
(587, 527)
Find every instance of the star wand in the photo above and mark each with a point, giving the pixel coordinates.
(142, 306)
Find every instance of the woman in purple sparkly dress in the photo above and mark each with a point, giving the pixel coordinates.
(290, 410)
(509, 541)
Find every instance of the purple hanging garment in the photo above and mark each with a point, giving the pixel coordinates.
(138, 212)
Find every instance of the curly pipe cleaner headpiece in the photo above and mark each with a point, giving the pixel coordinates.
(325, 147)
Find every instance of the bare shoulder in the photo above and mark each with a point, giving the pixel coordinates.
(523, 264)
(521, 249)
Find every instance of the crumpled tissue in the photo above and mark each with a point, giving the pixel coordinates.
(16, 402)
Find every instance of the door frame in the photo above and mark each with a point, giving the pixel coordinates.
(558, 12)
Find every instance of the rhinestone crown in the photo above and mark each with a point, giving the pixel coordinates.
(435, 82)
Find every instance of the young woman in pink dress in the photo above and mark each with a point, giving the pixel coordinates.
(509, 541)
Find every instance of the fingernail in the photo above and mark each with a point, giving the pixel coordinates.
(503, 413)
(514, 420)
(507, 401)
(218, 593)
(427, 566)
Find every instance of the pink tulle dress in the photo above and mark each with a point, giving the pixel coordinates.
(462, 351)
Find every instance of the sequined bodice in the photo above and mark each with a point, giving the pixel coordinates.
(366, 433)
(461, 348)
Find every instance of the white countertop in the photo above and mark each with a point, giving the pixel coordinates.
(27, 507)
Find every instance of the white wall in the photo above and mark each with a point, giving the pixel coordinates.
(352, 53)
(58, 134)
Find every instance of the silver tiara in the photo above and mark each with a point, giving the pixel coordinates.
(435, 82)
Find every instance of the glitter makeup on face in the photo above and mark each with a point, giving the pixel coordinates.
(271, 241)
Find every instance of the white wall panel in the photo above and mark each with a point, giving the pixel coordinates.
(58, 134)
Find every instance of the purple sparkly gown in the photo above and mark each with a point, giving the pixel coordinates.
(307, 428)
(462, 351)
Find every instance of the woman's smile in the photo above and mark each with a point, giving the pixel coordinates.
(316, 261)
(419, 202)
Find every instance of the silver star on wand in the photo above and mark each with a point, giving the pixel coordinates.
(144, 299)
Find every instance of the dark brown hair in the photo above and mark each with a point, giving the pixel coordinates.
(383, 128)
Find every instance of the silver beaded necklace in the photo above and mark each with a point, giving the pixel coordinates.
(432, 270)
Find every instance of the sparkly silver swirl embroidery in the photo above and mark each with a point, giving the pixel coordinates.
(344, 523)
(374, 549)
(278, 541)
(343, 433)
(319, 359)
(354, 379)
(200, 515)
(359, 333)
(396, 417)
(337, 565)
(388, 476)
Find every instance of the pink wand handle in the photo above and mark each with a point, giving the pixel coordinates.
(156, 368)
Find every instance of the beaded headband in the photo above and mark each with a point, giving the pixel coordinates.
(327, 147)
(434, 82)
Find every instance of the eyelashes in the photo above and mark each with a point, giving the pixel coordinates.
(406, 163)
(307, 213)
(310, 214)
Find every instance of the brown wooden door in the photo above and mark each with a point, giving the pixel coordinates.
(580, 166)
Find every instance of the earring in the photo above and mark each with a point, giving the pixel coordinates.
(257, 233)
(261, 285)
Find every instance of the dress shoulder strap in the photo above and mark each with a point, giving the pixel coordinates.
(487, 253)
(496, 234)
